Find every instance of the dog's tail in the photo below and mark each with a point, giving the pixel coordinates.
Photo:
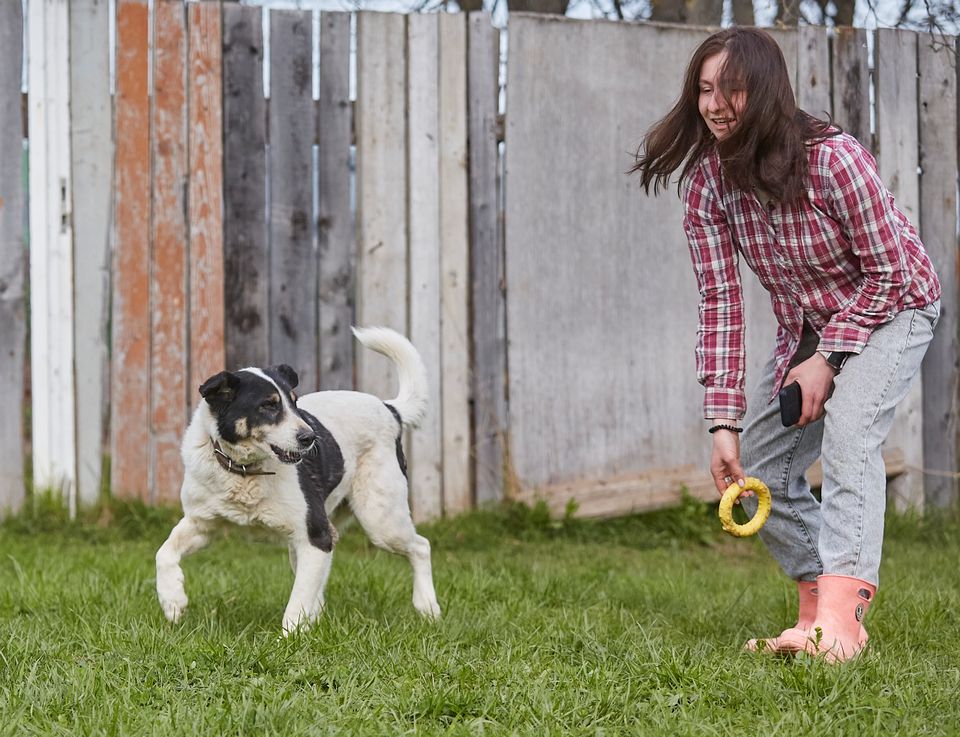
(411, 400)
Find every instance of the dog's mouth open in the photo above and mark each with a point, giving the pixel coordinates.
(287, 456)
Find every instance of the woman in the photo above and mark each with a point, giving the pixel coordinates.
(853, 292)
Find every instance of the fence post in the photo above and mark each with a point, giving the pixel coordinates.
(12, 258)
(51, 250)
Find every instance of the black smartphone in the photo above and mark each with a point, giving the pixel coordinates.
(791, 404)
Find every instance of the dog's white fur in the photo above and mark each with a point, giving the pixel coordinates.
(373, 484)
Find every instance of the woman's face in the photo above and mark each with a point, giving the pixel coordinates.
(719, 115)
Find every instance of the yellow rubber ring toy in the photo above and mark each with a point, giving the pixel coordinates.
(726, 507)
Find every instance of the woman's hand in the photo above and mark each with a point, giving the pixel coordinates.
(725, 461)
(815, 377)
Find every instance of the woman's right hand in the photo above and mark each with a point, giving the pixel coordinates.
(725, 461)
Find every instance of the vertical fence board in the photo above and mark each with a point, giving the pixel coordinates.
(486, 265)
(381, 189)
(247, 264)
(168, 255)
(51, 261)
(426, 444)
(938, 221)
(335, 236)
(813, 70)
(897, 137)
(130, 369)
(293, 263)
(205, 203)
(851, 83)
(92, 151)
(454, 262)
(13, 326)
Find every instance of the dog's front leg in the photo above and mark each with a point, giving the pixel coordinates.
(306, 598)
(189, 535)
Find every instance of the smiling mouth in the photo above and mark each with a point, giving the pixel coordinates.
(286, 456)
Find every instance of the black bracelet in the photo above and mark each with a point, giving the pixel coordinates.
(731, 428)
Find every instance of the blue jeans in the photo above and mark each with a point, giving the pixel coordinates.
(843, 533)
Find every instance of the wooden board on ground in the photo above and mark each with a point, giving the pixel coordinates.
(293, 262)
(381, 190)
(130, 369)
(897, 136)
(489, 348)
(423, 141)
(13, 260)
(938, 229)
(168, 256)
(205, 131)
(335, 226)
(245, 252)
(454, 263)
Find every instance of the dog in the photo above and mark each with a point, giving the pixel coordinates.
(255, 454)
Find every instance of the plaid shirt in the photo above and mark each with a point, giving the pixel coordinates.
(844, 259)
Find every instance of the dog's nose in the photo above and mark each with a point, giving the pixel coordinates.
(306, 438)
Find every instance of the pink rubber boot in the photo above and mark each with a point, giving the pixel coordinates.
(837, 631)
(792, 640)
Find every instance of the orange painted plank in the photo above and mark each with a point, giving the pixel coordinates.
(130, 383)
(206, 193)
(168, 355)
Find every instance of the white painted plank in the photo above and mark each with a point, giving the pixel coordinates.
(51, 236)
(13, 260)
(454, 259)
(92, 150)
(426, 443)
(381, 189)
(897, 137)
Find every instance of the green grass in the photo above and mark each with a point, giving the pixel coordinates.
(632, 626)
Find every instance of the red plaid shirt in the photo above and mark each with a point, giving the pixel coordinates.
(844, 258)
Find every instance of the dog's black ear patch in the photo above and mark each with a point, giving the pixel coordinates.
(286, 373)
(220, 389)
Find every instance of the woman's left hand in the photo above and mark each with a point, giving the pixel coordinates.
(815, 377)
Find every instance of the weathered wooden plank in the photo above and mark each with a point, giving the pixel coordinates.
(335, 226)
(205, 136)
(293, 262)
(897, 137)
(426, 444)
(489, 354)
(168, 256)
(938, 228)
(454, 260)
(13, 260)
(851, 83)
(51, 250)
(246, 256)
(813, 71)
(381, 189)
(92, 152)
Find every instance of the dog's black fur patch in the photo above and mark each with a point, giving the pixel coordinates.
(400, 457)
(320, 471)
(242, 395)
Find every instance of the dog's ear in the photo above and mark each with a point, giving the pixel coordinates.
(220, 389)
(287, 374)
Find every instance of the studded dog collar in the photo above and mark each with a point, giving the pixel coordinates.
(238, 468)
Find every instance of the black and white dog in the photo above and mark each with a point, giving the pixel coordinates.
(255, 454)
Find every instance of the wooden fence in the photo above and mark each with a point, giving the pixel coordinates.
(232, 203)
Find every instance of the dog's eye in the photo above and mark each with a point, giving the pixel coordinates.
(271, 405)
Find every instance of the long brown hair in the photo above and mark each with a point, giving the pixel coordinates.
(767, 147)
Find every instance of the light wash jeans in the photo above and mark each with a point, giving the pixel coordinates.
(843, 533)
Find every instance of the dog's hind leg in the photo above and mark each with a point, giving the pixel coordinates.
(188, 536)
(379, 502)
(312, 567)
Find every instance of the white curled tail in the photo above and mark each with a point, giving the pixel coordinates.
(411, 400)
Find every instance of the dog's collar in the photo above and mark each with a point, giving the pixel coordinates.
(233, 467)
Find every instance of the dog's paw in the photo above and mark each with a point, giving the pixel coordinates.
(429, 609)
(173, 607)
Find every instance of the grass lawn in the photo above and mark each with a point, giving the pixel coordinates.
(632, 626)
